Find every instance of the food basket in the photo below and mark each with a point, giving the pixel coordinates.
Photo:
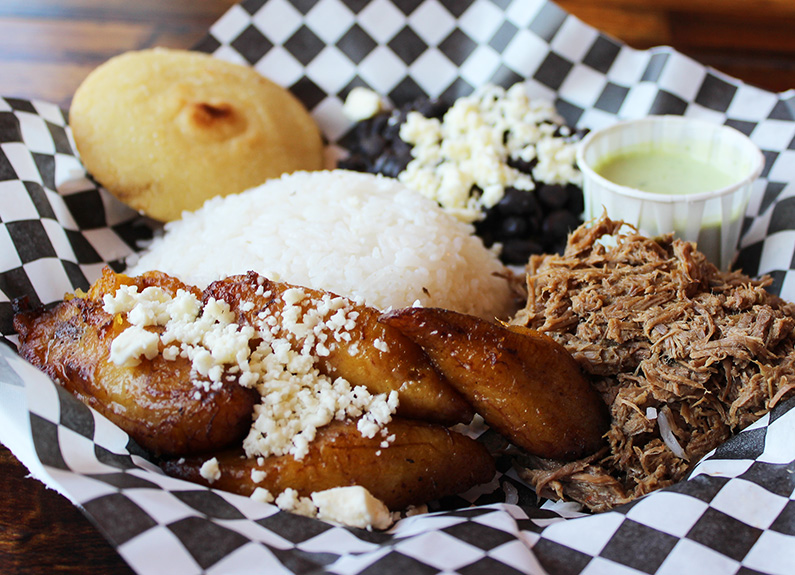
(734, 514)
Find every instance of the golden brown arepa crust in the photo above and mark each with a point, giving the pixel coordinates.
(164, 130)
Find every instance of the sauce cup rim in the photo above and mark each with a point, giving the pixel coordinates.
(755, 154)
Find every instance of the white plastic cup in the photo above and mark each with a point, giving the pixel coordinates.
(712, 219)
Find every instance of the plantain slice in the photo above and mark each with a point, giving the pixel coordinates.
(422, 462)
(523, 383)
(156, 401)
(370, 354)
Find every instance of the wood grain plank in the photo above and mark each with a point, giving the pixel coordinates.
(640, 28)
(50, 40)
(768, 9)
(47, 58)
(182, 11)
(734, 33)
(42, 532)
(747, 40)
(683, 27)
(54, 83)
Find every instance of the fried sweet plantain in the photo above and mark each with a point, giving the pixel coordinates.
(423, 462)
(155, 402)
(371, 354)
(524, 384)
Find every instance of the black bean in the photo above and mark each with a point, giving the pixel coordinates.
(389, 165)
(432, 108)
(522, 166)
(514, 227)
(362, 130)
(355, 162)
(517, 202)
(517, 252)
(372, 145)
(553, 196)
(401, 148)
(535, 222)
(576, 202)
(559, 223)
(490, 224)
(378, 122)
(486, 236)
(391, 130)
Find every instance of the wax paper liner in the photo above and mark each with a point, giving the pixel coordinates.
(735, 514)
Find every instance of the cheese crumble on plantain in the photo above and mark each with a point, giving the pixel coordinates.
(296, 399)
(351, 505)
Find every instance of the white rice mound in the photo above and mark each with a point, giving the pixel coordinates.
(358, 235)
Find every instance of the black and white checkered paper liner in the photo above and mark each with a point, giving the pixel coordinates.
(734, 515)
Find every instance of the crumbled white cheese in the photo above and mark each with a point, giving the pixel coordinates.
(296, 399)
(289, 500)
(472, 145)
(171, 353)
(377, 415)
(390, 439)
(361, 104)
(210, 470)
(128, 347)
(262, 495)
(354, 506)
(206, 335)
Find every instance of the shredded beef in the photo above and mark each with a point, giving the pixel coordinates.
(667, 338)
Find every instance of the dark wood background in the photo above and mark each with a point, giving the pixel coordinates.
(753, 40)
(47, 47)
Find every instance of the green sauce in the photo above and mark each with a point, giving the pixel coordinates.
(663, 172)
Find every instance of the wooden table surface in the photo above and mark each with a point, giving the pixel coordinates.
(47, 47)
